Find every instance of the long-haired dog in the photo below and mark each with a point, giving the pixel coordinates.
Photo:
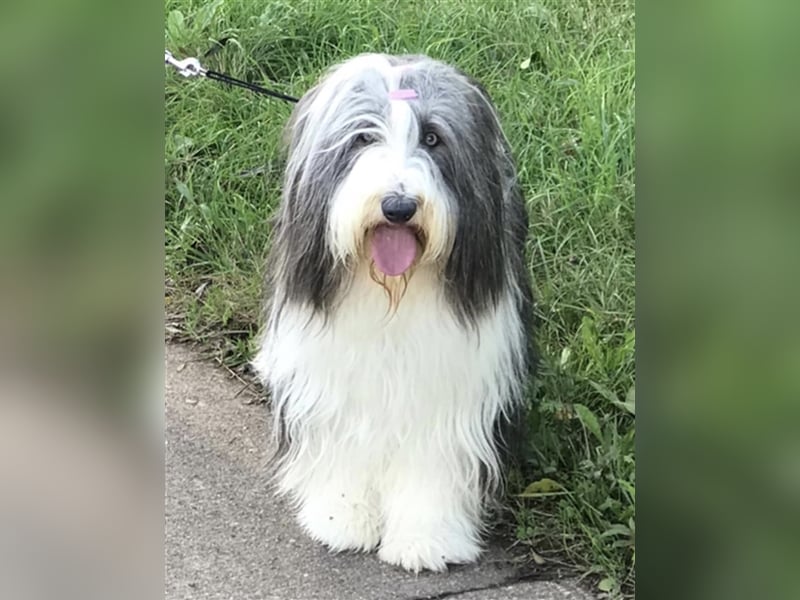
(396, 342)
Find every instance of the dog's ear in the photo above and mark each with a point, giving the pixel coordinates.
(482, 175)
(516, 224)
(299, 257)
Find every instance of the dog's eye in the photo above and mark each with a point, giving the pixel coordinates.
(431, 139)
(364, 139)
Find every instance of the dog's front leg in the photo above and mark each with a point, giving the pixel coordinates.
(432, 511)
(338, 504)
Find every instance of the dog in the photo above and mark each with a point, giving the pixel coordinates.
(397, 338)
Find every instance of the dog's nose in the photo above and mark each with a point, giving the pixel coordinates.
(398, 208)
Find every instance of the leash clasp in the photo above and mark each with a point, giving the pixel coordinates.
(188, 67)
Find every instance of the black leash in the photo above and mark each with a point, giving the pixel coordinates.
(216, 76)
(191, 67)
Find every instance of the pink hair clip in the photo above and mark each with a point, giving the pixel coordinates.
(406, 94)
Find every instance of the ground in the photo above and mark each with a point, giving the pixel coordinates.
(562, 75)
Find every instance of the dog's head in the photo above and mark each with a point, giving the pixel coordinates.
(396, 164)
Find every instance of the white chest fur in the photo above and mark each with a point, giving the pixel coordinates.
(387, 408)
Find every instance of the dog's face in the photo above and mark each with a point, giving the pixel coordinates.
(395, 163)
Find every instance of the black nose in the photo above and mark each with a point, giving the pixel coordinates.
(398, 208)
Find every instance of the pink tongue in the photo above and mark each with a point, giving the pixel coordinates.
(393, 249)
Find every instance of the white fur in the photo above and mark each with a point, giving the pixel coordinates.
(361, 469)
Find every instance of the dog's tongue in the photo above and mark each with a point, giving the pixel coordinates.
(393, 249)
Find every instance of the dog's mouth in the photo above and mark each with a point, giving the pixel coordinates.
(395, 248)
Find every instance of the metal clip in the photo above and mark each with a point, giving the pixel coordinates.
(188, 67)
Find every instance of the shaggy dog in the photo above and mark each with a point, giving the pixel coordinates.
(396, 343)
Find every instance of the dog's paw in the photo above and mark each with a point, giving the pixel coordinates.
(416, 554)
(342, 525)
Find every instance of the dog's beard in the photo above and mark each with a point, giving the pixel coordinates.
(394, 261)
(394, 286)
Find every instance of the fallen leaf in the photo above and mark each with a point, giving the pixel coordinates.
(201, 289)
(607, 584)
(537, 558)
(543, 486)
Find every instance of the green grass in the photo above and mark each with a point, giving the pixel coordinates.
(562, 75)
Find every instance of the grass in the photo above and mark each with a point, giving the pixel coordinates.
(562, 75)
